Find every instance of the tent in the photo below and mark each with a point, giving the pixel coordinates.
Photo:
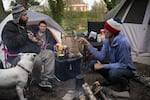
(34, 18)
(136, 17)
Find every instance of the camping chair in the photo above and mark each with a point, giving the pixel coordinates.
(7, 64)
(1, 63)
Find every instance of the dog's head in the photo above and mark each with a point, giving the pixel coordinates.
(27, 60)
(28, 56)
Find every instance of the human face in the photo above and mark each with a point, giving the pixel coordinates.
(107, 34)
(24, 16)
(42, 28)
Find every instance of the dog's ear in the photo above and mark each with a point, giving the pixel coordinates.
(19, 54)
(35, 54)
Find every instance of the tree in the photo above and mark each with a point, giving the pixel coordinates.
(57, 9)
(111, 4)
(98, 11)
(33, 2)
(23, 3)
(3, 13)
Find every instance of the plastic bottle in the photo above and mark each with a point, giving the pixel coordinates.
(66, 52)
(55, 50)
(61, 52)
(99, 38)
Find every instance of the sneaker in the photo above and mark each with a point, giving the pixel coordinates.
(45, 84)
(123, 88)
(34, 82)
(55, 82)
(127, 88)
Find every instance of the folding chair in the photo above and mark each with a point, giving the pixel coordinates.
(7, 64)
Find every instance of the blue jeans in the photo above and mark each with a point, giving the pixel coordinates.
(120, 75)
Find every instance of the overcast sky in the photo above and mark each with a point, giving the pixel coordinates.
(89, 2)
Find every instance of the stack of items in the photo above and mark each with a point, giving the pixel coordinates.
(98, 92)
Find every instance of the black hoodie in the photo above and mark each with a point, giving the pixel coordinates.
(16, 40)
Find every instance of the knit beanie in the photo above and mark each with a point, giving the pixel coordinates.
(17, 11)
(113, 25)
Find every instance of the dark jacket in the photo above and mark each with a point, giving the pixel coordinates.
(49, 40)
(16, 40)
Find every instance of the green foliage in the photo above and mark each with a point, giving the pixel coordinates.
(3, 13)
(57, 10)
(47, 12)
(33, 2)
(73, 19)
(12, 3)
(111, 4)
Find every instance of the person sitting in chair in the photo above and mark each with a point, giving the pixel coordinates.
(44, 34)
(18, 39)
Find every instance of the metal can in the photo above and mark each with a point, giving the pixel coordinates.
(61, 52)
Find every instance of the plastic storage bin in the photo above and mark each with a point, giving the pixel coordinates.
(67, 68)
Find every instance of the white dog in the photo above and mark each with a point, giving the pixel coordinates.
(18, 76)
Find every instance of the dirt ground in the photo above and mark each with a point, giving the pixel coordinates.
(138, 91)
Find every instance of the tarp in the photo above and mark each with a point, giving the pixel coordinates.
(135, 15)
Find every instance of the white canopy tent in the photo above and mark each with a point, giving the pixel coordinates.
(136, 17)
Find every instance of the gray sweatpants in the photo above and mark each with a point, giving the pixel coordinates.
(44, 66)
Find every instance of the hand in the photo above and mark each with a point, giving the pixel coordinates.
(34, 38)
(30, 35)
(98, 66)
(38, 41)
(84, 41)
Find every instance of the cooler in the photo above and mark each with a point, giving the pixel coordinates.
(67, 68)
